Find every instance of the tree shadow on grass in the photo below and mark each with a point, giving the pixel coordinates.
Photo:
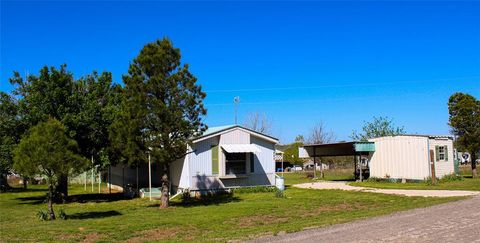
(97, 198)
(94, 215)
(203, 200)
(207, 199)
(34, 200)
(79, 198)
(21, 189)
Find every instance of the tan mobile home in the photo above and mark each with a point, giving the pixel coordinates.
(412, 157)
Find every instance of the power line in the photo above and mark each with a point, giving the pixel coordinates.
(338, 85)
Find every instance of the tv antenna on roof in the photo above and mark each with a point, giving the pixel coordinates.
(236, 100)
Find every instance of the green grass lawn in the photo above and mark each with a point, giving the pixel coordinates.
(466, 184)
(102, 217)
(329, 175)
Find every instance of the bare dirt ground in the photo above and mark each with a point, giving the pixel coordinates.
(451, 222)
(411, 193)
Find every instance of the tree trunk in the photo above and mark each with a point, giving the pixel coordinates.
(25, 182)
(50, 201)
(3, 182)
(474, 164)
(165, 199)
(62, 188)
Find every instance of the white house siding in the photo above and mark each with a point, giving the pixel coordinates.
(200, 162)
(443, 167)
(179, 173)
(236, 136)
(264, 161)
(400, 157)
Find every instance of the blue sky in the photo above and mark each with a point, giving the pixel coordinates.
(299, 63)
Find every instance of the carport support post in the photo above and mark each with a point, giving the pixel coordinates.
(321, 168)
(360, 166)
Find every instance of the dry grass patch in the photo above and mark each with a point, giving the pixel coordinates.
(254, 220)
(161, 233)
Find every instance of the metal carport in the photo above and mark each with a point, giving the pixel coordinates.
(354, 148)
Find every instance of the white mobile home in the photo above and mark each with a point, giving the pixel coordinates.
(228, 156)
(223, 157)
(412, 157)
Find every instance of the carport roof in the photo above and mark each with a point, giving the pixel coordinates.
(339, 149)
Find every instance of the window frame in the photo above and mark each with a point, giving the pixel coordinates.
(441, 153)
(243, 161)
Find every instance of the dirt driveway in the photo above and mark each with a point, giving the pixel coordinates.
(411, 193)
(450, 222)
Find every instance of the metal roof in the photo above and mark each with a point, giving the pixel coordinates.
(338, 149)
(214, 130)
(240, 148)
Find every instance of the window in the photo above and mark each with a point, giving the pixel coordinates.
(441, 152)
(235, 163)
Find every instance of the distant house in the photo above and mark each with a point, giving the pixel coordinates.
(414, 157)
(223, 157)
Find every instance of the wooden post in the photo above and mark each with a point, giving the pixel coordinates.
(93, 178)
(109, 179)
(149, 177)
(432, 167)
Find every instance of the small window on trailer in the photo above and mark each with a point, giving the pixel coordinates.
(442, 153)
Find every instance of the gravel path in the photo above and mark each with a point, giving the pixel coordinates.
(410, 193)
(450, 222)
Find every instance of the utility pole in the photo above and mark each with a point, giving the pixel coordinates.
(236, 100)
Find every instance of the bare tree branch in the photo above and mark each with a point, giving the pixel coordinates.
(258, 122)
(320, 135)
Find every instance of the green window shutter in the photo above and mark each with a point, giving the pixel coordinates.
(446, 152)
(214, 159)
(437, 154)
(252, 162)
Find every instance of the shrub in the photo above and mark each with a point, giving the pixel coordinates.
(62, 214)
(255, 189)
(42, 215)
(279, 193)
(430, 182)
(451, 177)
(186, 197)
(374, 179)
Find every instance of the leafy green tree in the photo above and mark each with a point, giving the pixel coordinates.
(464, 119)
(48, 151)
(99, 101)
(379, 127)
(299, 138)
(161, 111)
(50, 94)
(291, 154)
(11, 128)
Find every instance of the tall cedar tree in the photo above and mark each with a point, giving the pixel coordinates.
(11, 128)
(47, 150)
(464, 119)
(162, 109)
